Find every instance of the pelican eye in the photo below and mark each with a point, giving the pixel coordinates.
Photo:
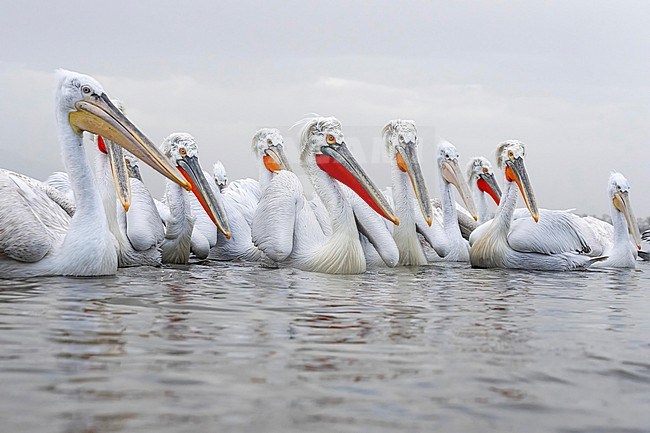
(511, 154)
(485, 170)
(330, 139)
(269, 142)
(86, 90)
(182, 151)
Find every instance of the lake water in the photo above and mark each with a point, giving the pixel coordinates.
(235, 347)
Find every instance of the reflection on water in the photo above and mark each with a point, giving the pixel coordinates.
(217, 346)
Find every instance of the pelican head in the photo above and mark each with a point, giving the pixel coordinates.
(220, 176)
(322, 143)
(268, 145)
(401, 141)
(86, 107)
(510, 156)
(479, 170)
(181, 148)
(452, 174)
(619, 192)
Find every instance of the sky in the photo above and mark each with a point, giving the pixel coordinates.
(571, 79)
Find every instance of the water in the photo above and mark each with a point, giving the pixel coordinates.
(233, 347)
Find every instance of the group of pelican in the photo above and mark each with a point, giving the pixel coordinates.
(85, 223)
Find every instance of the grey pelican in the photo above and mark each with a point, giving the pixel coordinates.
(37, 237)
(287, 229)
(482, 182)
(552, 243)
(182, 150)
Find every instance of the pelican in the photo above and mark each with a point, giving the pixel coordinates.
(450, 174)
(620, 252)
(137, 241)
(287, 229)
(556, 243)
(483, 183)
(409, 197)
(220, 176)
(182, 150)
(37, 237)
(241, 197)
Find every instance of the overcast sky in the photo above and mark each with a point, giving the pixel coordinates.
(569, 78)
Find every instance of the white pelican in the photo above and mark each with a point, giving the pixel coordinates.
(241, 197)
(409, 196)
(182, 150)
(36, 235)
(451, 174)
(620, 252)
(285, 226)
(137, 232)
(220, 176)
(555, 243)
(482, 182)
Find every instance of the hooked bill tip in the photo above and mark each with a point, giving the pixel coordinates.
(473, 216)
(396, 221)
(227, 234)
(429, 221)
(536, 218)
(638, 246)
